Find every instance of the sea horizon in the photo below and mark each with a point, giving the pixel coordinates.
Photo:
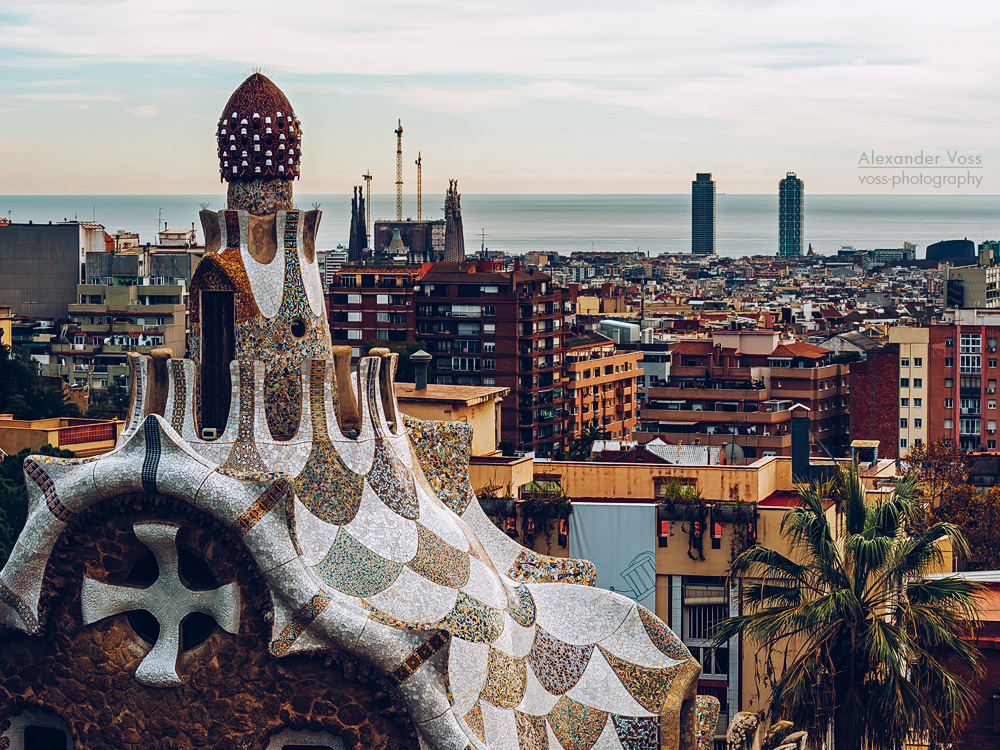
(746, 223)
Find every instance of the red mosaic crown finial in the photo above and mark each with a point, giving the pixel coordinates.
(259, 136)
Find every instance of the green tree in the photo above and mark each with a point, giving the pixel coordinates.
(14, 495)
(583, 444)
(18, 373)
(43, 402)
(868, 645)
(942, 468)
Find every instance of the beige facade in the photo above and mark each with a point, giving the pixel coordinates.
(85, 437)
(5, 326)
(474, 405)
(602, 389)
(914, 369)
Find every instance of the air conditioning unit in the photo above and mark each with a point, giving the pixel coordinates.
(991, 390)
(209, 433)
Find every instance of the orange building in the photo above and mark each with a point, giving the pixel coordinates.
(602, 385)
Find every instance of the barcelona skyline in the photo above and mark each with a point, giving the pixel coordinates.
(104, 97)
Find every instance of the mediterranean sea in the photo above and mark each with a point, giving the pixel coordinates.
(745, 224)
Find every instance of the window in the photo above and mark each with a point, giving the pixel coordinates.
(918, 362)
(904, 382)
(354, 335)
(949, 342)
(949, 361)
(971, 343)
(355, 351)
(970, 364)
(993, 363)
(354, 299)
(489, 364)
(902, 442)
(904, 402)
(489, 346)
(918, 402)
(904, 362)
(991, 403)
(991, 425)
(918, 423)
(381, 299)
(949, 424)
(702, 620)
(969, 426)
(949, 383)
(902, 424)
(489, 328)
(489, 311)
(382, 335)
(354, 317)
(918, 383)
(489, 381)
(382, 317)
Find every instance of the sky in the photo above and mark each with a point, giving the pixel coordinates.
(519, 96)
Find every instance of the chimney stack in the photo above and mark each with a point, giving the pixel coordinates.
(420, 360)
(800, 443)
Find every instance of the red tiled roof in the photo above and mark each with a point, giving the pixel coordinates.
(800, 349)
(702, 347)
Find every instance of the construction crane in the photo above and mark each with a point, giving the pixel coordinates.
(399, 171)
(419, 189)
(368, 203)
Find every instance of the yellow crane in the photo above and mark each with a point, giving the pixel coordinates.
(419, 189)
(399, 171)
(368, 204)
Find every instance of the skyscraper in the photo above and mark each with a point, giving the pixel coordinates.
(703, 214)
(791, 215)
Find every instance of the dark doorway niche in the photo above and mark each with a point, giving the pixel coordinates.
(218, 350)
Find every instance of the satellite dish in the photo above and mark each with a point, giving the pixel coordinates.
(732, 454)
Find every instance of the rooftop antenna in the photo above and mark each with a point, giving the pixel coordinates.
(368, 202)
(483, 248)
(419, 187)
(399, 170)
(159, 221)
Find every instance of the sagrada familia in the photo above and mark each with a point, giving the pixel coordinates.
(319, 573)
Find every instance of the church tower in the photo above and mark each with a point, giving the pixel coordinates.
(454, 234)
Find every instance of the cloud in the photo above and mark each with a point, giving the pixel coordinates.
(146, 110)
(68, 96)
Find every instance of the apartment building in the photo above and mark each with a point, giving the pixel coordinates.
(489, 327)
(372, 303)
(739, 386)
(603, 385)
(962, 388)
(123, 308)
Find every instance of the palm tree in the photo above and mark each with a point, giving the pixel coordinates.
(868, 645)
(583, 444)
(42, 402)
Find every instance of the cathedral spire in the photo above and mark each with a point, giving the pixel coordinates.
(358, 240)
(454, 234)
